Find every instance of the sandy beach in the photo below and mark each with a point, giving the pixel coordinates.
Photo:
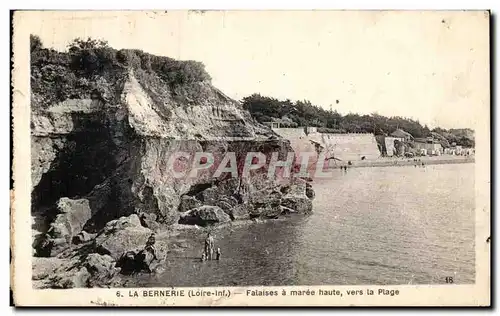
(394, 161)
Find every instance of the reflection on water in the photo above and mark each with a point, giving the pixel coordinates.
(394, 225)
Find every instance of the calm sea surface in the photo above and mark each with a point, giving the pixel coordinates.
(390, 225)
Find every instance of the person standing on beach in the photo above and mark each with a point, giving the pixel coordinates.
(209, 246)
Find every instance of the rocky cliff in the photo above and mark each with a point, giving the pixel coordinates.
(101, 144)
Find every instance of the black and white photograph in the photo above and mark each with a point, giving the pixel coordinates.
(340, 157)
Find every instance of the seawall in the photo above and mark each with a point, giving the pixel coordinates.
(343, 147)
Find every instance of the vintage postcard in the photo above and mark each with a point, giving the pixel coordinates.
(251, 158)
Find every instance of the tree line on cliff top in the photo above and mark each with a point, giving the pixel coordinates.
(60, 73)
(304, 113)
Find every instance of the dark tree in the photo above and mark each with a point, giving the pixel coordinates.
(35, 43)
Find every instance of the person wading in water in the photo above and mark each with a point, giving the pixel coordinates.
(150, 245)
(209, 247)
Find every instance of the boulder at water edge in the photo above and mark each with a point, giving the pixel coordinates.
(205, 215)
(300, 203)
(121, 235)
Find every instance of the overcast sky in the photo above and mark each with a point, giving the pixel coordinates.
(431, 66)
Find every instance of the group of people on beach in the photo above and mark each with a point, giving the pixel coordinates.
(418, 162)
(209, 250)
(344, 167)
(209, 253)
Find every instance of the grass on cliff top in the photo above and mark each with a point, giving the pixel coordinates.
(91, 66)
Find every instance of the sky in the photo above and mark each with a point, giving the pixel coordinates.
(429, 66)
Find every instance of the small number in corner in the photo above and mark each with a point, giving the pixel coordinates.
(449, 279)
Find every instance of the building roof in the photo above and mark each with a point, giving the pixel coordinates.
(400, 133)
(428, 140)
(422, 141)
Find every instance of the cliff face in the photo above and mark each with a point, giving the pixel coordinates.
(101, 149)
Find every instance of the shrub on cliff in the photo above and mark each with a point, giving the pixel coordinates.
(94, 57)
(35, 43)
(91, 64)
(173, 72)
(91, 55)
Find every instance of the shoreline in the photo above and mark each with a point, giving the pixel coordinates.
(390, 162)
(182, 240)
